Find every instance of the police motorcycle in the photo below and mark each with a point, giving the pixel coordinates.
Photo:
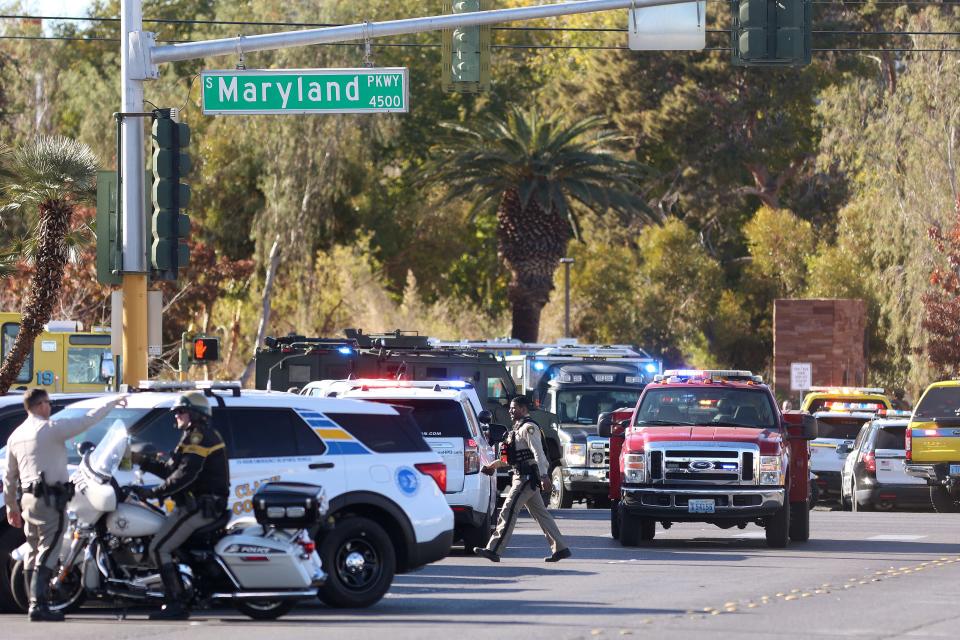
(262, 567)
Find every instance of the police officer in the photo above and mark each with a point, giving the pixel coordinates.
(37, 465)
(530, 471)
(197, 478)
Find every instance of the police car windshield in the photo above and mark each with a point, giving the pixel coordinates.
(707, 406)
(939, 402)
(582, 406)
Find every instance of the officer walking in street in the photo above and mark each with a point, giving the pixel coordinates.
(525, 455)
(197, 478)
(37, 465)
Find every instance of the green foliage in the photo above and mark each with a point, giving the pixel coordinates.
(779, 244)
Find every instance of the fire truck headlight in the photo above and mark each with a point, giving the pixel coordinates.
(634, 468)
(770, 470)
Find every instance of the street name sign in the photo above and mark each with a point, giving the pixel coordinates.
(298, 91)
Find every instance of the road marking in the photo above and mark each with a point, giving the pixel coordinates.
(895, 538)
(750, 535)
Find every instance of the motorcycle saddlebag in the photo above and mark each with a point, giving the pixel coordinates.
(289, 505)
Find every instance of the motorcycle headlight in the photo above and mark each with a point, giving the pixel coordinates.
(634, 468)
(770, 470)
(576, 454)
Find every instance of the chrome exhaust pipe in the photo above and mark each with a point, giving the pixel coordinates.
(265, 595)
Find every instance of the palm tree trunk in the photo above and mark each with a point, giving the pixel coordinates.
(51, 257)
(531, 242)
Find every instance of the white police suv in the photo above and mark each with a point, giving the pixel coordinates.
(384, 483)
(448, 413)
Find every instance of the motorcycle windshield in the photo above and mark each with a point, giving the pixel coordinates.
(106, 458)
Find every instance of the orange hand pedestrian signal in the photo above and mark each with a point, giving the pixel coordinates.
(206, 350)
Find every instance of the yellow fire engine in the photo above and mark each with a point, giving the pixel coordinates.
(63, 358)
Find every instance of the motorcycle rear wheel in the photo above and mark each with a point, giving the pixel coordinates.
(270, 610)
(67, 599)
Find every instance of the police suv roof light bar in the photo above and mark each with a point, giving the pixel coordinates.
(847, 390)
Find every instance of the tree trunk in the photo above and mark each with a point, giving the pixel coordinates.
(51, 257)
(531, 242)
(265, 309)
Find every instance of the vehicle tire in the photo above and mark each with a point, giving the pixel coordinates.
(10, 539)
(648, 529)
(66, 599)
(846, 502)
(265, 610)
(778, 527)
(942, 501)
(629, 529)
(799, 522)
(560, 498)
(855, 506)
(615, 519)
(360, 561)
(476, 536)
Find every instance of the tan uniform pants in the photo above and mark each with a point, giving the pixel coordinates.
(43, 525)
(524, 494)
(175, 530)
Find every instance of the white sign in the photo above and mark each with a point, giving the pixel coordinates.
(48, 345)
(801, 376)
(674, 27)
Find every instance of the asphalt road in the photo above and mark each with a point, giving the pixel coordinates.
(876, 575)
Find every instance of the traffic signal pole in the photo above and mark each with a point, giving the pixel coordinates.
(139, 57)
(132, 215)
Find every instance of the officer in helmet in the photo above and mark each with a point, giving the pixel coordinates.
(197, 478)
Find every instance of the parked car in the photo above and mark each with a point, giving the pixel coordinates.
(449, 416)
(826, 460)
(384, 483)
(874, 474)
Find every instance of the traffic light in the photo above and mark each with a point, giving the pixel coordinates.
(204, 350)
(170, 227)
(466, 52)
(772, 32)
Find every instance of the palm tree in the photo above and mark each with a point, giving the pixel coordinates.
(43, 182)
(538, 173)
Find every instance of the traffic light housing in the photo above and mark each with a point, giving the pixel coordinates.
(772, 32)
(169, 226)
(203, 350)
(466, 52)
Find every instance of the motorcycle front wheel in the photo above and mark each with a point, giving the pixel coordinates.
(267, 610)
(66, 598)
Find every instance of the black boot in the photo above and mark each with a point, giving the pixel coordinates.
(40, 597)
(173, 595)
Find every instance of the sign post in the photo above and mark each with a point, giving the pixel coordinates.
(299, 91)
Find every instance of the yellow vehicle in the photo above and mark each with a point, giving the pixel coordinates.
(933, 443)
(845, 399)
(63, 359)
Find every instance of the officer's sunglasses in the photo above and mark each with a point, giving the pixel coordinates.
(180, 410)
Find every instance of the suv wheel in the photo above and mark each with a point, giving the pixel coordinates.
(359, 559)
(10, 539)
(560, 498)
(799, 521)
(942, 501)
(854, 505)
(615, 519)
(476, 536)
(629, 529)
(648, 529)
(778, 527)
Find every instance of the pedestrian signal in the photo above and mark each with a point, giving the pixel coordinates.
(205, 350)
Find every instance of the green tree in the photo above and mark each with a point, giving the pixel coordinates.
(539, 172)
(44, 181)
(779, 244)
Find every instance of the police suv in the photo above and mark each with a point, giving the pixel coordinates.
(384, 483)
(450, 417)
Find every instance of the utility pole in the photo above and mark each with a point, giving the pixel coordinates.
(139, 57)
(566, 262)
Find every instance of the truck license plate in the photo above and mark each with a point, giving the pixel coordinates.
(955, 469)
(701, 506)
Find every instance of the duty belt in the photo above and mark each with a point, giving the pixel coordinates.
(41, 489)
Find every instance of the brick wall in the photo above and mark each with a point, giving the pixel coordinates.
(828, 333)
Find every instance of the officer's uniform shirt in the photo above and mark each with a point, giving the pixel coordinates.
(199, 463)
(39, 445)
(527, 437)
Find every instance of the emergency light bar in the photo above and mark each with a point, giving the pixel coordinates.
(894, 413)
(188, 385)
(847, 390)
(714, 375)
(852, 406)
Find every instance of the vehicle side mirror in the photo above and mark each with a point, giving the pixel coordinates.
(605, 425)
(107, 368)
(485, 417)
(496, 433)
(844, 448)
(810, 428)
(85, 447)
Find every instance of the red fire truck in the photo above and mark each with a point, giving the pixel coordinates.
(709, 446)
